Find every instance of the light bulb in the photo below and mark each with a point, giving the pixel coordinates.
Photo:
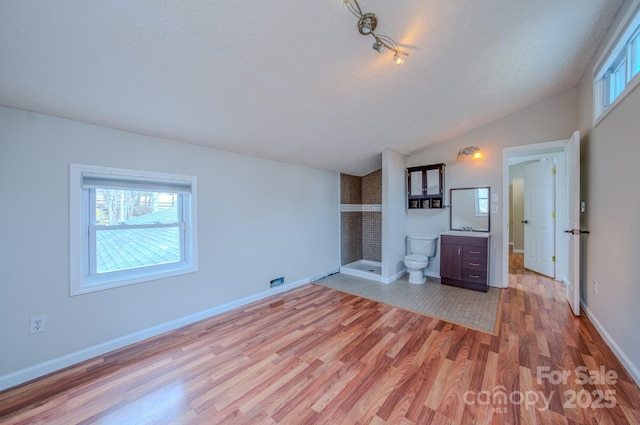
(378, 46)
(398, 60)
(477, 155)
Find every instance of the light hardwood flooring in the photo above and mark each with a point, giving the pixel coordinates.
(318, 356)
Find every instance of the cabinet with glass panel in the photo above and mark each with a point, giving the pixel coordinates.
(425, 187)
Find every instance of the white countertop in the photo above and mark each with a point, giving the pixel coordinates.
(466, 233)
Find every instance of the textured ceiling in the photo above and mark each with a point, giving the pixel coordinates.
(293, 80)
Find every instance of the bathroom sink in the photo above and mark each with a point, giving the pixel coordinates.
(466, 233)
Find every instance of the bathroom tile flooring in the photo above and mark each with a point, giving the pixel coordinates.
(473, 309)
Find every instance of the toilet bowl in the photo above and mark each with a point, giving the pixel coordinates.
(421, 247)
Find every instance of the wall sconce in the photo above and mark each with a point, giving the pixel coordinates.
(367, 23)
(472, 151)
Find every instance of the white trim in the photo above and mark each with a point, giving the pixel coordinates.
(624, 359)
(394, 277)
(53, 365)
(617, 42)
(544, 148)
(360, 207)
(629, 88)
(80, 279)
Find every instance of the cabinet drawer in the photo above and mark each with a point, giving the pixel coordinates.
(475, 264)
(474, 252)
(474, 276)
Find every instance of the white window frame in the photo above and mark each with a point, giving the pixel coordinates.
(617, 51)
(85, 280)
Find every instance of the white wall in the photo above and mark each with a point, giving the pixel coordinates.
(554, 118)
(394, 216)
(258, 220)
(610, 172)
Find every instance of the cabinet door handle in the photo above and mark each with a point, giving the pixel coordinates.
(473, 276)
(474, 264)
(459, 249)
(474, 252)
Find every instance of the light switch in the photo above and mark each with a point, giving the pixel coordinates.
(494, 197)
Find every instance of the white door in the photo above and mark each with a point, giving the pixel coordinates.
(539, 229)
(572, 227)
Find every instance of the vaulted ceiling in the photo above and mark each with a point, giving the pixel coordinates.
(294, 80)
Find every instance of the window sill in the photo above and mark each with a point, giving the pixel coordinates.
(130, 277)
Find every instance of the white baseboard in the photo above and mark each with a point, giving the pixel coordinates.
(394, 277)
(624, 359)
(36, 371)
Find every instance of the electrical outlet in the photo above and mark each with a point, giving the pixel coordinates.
(37, 324)
(595, 287)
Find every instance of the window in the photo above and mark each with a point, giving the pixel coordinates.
(616, 75)
(129, 227)
(482, 201)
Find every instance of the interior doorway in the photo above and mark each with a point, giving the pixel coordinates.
(515, 162)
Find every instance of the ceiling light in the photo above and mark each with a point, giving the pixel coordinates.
(367, 23)
(378, 45)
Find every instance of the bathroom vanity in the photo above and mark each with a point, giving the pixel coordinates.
(464, 260)
(464, 250)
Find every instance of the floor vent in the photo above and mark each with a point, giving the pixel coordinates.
(277, 282)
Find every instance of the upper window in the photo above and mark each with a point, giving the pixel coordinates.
(617, 71)
(129, 227)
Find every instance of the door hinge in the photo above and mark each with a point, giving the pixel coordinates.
(553, 258)
(553, 170)
(553, 214)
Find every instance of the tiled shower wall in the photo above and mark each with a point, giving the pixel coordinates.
(361, 217)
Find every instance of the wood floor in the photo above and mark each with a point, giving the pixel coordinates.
(318, 356)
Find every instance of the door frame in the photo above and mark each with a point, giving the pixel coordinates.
(536, 151)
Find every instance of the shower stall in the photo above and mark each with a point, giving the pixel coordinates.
(361, 225)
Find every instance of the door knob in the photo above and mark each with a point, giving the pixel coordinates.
(525, 221)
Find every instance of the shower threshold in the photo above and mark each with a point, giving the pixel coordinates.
(365, 269)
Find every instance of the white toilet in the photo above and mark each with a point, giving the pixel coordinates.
(421, 247)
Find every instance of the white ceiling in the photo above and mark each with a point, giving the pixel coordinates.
(293, 80)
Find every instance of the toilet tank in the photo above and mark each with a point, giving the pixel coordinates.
(422, 243)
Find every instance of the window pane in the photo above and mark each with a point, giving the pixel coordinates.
(483, 206)
(114, 207)
(617, 80)
(122, 249)
(635, 56)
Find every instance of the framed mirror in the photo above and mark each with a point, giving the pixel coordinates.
(470, 209)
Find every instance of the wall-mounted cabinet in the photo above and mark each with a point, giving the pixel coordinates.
(425, 187)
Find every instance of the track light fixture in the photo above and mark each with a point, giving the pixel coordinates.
(367, 23)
